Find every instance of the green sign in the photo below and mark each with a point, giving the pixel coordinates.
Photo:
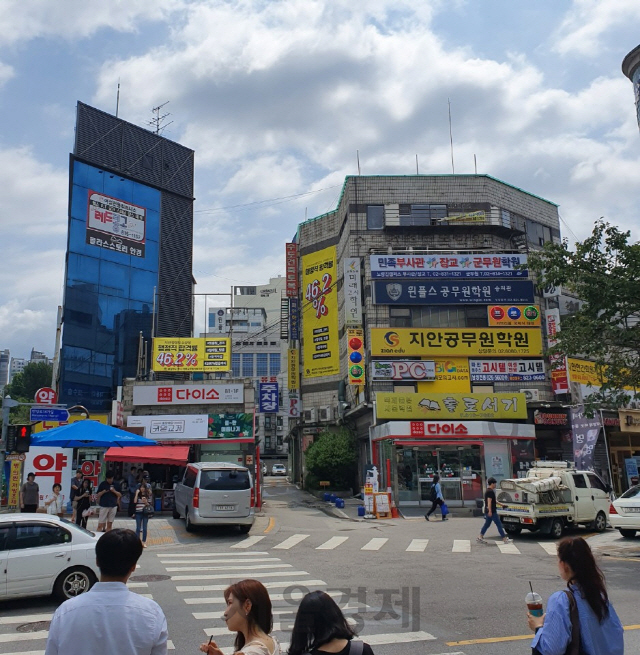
(230, 426)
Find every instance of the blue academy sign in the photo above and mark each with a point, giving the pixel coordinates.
(453, 292)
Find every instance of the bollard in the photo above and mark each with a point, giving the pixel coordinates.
(361, 510)
(332, 498)
(339, 503)
(326, 497)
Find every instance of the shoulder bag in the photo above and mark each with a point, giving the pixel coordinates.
(574, 645)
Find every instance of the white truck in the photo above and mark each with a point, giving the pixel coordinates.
(552, 497)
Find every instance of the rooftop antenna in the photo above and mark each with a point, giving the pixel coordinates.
(475, 163)
(118, 99)
(157, 121)
(417, 171)
(358, 160)
(453, 168)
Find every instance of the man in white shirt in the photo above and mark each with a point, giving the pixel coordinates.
(109, 618)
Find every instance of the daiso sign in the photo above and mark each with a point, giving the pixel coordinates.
(51, 466)
(187, 394)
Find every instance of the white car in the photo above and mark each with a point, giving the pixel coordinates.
(42, 554)
(278, 469)
(624, 513)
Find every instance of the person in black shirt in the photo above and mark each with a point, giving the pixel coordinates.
(490, 513)
(320, 627)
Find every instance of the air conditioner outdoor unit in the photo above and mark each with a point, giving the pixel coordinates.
(325, 414)
(531, 395)
(309, 415)
(279, 428)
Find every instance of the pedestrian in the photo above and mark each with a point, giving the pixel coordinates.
(143, 506)
(320, 627)
(249, 614)
(54, 504)
(108, 497)
(109, 618)
(437, 499)
(83, 503)
(585, 603)
(76, 483)
(132, 486)
(30, 495)
(491, 514)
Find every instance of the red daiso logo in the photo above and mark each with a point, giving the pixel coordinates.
(446, 428)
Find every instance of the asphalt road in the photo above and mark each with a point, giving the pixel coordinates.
(410, 586)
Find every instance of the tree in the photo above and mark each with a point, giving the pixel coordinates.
(604, 272)
(24, 385)
(333, 457)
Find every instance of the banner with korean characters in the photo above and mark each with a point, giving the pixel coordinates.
(230, 426)
(294, 319)
(191, 355)
(352, 292)
(451, 266)
(444, 342)
(187, 394)
(291, 261)
(559, 373)
(466, 406)
(452, 292)
(507, 370)
(321, 351)
(514, 316)
(293, 371)
(403, 370)
(268, 397)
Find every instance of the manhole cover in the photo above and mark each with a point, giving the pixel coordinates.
(149, 578)
(34, 627)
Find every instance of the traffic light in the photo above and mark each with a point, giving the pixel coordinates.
(355, 357)
(23, 438)
(12, 432)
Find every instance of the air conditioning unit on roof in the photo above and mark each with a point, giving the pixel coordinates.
(531, 395)
(325, 414)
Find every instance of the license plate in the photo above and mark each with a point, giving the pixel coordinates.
(510, 519)
(632, 509)
(225, 508)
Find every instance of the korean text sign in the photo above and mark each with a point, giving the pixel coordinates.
(51, 466)
(320, 314)
(455, 341)
(293, 370)
(189, 355)
(514, 316)
(230, 426)
(467, 406)
(352, 292)
(292, 269)
(268, 397)
(507, 370)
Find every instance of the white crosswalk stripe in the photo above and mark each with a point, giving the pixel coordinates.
(25, 618)
(268, 585)
(509, 549)
(417, 545)
(250, 541)
(375, 544)
(294, 540)
(288, 597)
(225, 576)
(256, 567)
(253, 553)
(334, 542)
(461, 546)
(550, 548)
(24, 636)
(225, 561)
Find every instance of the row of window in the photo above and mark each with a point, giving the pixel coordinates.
(434, 316)
(255, 365)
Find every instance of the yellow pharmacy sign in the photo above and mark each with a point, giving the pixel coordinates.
(460, 406)
(445, 342)
(294, 369)
(320, 354)
(210, 355)
(42, 426)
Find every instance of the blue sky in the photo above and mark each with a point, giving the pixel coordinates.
(276, 97)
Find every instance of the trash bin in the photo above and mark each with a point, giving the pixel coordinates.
(339, 503)
(158, 504)
(332, 498)
(361, 510)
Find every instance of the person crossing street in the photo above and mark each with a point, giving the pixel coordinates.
(491, 514)
(437, 499)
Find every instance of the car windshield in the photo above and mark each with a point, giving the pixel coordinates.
(634, 492)
(75, 526)
(224, 480)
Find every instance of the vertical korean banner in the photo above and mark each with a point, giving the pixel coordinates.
(291, 256)
(352, 293)
(320, 314)
(268, 397)
(584, 433)
(559, 376)
(293, 370)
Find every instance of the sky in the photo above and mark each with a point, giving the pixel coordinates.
(277, 97)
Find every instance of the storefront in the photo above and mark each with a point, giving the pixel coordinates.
(464, 453)
(625, 450)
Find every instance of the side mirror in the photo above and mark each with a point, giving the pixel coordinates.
(609, 488)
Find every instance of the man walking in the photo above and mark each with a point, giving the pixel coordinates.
(76, 483)
(437, 499)
(30, 495)
(132, 485)
(109, 618)
(108, 496)
(490, 513)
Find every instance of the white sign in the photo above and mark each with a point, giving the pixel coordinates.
(188, 394)
(352, 293)
(403, 370)
(51, 466)
(171, 426)
(506, 370)
(294, 406)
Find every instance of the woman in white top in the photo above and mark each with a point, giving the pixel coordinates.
(55, 503)
(249, 614)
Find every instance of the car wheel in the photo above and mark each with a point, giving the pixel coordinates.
(175, 513)
(73, 582)
(557, 528)
(188, 525)
(244, 529)
(512, 529)
(630, 534)
(600, 523)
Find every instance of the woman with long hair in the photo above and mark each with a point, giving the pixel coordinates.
(320, 627)
(437, 499)
(584, 604)
(249, 614)
(83, 504)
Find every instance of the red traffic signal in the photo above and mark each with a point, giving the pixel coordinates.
(23, 438)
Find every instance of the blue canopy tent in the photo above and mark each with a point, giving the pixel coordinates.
(89, 433)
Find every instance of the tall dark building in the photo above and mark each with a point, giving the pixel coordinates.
(130, 233)
(631, 68)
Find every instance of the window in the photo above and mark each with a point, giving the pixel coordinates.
(274, 363)
(35, 535)
(262, 368)
(596, 483)
(4, 537)
(225, 480)
(434, 316)
(235, 365)
(267, 422)
(375, 217)
(190, 476)
(247, 365)
(267, 442)
(421, 215)
(579, 481)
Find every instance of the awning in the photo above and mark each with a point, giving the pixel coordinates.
(177, 455)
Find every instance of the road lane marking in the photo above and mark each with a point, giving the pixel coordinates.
(254, 567)
(225, 561)
(221, 632)
(461, 546)
(214, 554)
(250, 541)
(268, 585)
(208, 616)
(287, 598)
(508, 549)
(332, 543)
(25, 618)
(170, 645)
(550, 548)
(375, 544)
(488, 640)
(272, 524)
(291, 541)
(137, 585)
(24, 636)
(417, 546)
(225, 576)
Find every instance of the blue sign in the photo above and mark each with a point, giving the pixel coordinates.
(268, 397)
(294, 319)
(452, 292)
(48, 414)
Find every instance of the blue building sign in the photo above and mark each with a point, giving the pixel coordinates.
(268, 397)
(294, 319)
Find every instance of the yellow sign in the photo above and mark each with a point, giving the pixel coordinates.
(514, 316)
(42, 426)
(293, 371)
(443, 342)
(14, 483)
(469, 217)
(188, 355)
(452, 375)
(462, 406)
(320, 354)
(583, 372)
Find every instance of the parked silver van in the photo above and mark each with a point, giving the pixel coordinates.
(215, 493)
